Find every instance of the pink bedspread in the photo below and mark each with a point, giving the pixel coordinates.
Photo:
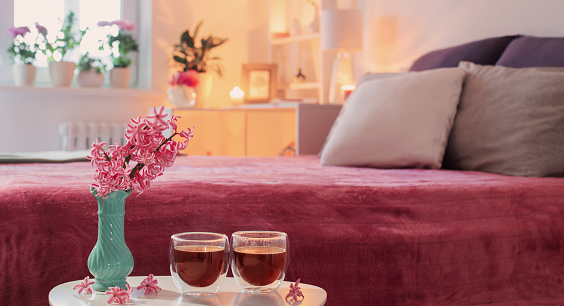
(367, 236)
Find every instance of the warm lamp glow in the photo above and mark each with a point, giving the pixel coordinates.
(341, 30)
(347, 90)
(236, 93)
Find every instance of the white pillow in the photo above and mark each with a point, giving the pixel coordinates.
(398, 122)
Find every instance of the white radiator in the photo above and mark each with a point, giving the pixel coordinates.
(81, 135)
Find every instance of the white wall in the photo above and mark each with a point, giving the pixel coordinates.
(397, 32)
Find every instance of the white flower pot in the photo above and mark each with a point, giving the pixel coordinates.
(181, 95)
(204, 90)
(61, 73)
(24, 75)
(90, 79)
(119, 77)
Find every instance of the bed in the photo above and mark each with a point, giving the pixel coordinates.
(484, 227)
(367, 236)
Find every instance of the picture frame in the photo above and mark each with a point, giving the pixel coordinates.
(259, 82)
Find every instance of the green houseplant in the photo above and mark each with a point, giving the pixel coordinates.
(61, 69)
(121, 46)
(191, 54)
(90, 71)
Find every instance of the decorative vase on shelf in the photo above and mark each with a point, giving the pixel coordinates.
(90, 79)
(119, 77)
(24, 75)
(181, 95)
(110, 260)
(61, 73)
(204, 90)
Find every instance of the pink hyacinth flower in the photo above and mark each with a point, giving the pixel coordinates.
(295, 291)
(119, 295)
(157, 117)
(149, 284)
(84, 285)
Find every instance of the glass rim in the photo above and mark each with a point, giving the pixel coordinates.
(243, 234)
(213, 236)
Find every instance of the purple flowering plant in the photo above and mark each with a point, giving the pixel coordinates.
(21, 50)
(147, 149)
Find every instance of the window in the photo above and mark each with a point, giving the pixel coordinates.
(88, 13)
(50, 14)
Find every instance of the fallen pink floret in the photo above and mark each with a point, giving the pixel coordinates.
(84, 285)
(149, 284)
(295, 291)
(118, 295)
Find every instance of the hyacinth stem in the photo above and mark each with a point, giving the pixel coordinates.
(165, 141)
(135, 169)
(140, 166)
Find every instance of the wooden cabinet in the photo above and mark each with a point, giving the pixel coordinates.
(268, 129)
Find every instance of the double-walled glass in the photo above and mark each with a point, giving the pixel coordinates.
(259, 260)
(198, 262)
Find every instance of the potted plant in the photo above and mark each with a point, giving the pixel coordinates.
(61, 69)
(90, 71)
(181, 91)
(23, 54)
(121, 46)
(192, 55)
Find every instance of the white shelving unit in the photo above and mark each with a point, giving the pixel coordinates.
(294, 39)
(300, 50)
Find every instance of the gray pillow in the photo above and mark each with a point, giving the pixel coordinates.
(397, 122)
(509, 121)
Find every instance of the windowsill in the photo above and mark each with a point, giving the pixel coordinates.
(81, 91)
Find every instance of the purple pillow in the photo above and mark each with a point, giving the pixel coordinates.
(530, 51)
(483, 52)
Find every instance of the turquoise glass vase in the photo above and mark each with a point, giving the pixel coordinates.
(110, 261)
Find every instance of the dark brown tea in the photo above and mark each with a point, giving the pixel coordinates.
(199, 266)
(260, 266)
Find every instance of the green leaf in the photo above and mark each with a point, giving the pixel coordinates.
(197, 29)
(186, 39)
(180, 59)
(218, 42)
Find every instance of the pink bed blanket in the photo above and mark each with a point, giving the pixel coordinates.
(367, 236)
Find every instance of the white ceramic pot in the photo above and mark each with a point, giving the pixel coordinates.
(90, 79)
(61, 73)
(119, 77)
(182, 96)
(204, 90)
(24, 75)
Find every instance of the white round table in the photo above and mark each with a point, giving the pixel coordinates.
(229, 294)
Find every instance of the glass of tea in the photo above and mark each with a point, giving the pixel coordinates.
(198, 262)
(259, 260)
